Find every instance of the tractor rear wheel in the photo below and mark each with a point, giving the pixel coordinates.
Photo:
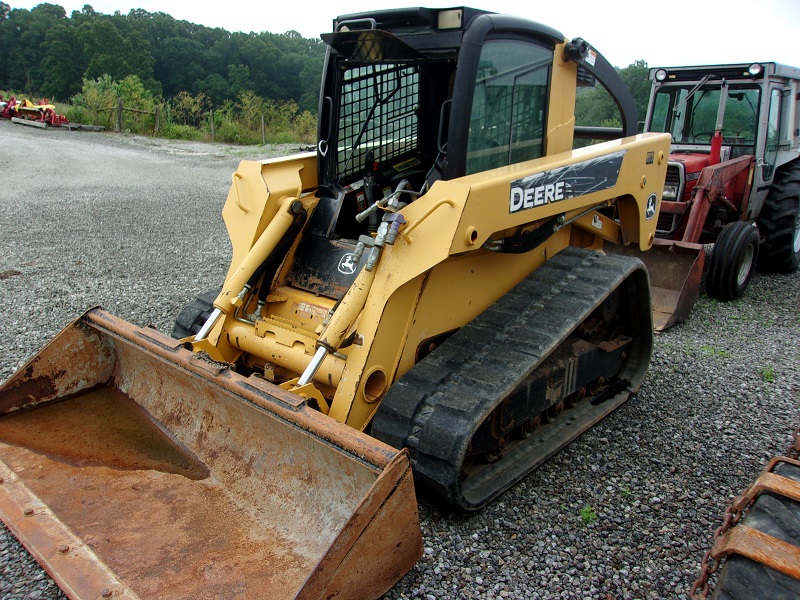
(779, 221)
(732, 261)
(777, 516)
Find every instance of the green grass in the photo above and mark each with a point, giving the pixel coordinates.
(588, 514)
(767, 374)
(714, 351)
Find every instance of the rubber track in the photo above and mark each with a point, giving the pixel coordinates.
(194, 315)
(744, 579)
(435, 408)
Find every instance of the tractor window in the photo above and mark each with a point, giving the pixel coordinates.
(378, 113)
(509, 105)
(691, 117)
(741, 120)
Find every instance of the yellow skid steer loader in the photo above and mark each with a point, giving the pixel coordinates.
(426, 292)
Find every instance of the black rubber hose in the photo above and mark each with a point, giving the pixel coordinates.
(525, 242)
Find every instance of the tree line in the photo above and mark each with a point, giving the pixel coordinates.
(44, 51)
(595, 107)
(259, 85)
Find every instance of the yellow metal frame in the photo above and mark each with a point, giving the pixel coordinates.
(436, 277)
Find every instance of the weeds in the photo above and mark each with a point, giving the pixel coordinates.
(714, 351)
(767, 374)
(588, 514)
(248, 121)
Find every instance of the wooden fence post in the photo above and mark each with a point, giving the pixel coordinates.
(263, 131)
(158, 107)
(211, 112)
(118, 127)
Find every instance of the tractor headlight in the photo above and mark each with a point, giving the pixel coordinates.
(661, 75)
(670, 192)
(754, 69)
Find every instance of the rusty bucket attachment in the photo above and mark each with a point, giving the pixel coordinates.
(676, 270)
(131, 467)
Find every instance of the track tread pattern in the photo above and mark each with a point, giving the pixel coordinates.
(437, 405)
(194, 315)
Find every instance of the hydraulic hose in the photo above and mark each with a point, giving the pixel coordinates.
(270, 266)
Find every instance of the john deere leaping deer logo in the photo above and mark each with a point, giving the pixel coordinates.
(652, 203)
(347, 264)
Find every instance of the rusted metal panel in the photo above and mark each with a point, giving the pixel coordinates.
(760, 547)
(369, 557)
(676, 270)
(67, 559)
(186, 479)
(713, 181)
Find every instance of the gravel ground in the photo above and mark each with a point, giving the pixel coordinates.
(134, 225)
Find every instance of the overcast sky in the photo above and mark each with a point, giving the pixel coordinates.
(663, 33)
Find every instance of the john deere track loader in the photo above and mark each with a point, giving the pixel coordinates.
(426, 290)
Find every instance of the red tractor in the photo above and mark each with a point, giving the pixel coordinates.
(733, 180)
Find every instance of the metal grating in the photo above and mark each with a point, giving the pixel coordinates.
(668, 221)
(378, 113)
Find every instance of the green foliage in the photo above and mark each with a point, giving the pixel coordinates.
(768, 374)
(253, 120)
(153, 60)
(97, 103)
(189, 110)
(595, 107)
(588, 514)
(177, 131)
(714, 351)
(45, 52)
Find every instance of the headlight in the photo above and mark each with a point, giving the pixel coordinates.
(754, 69)
(661, 75)
(670, 192)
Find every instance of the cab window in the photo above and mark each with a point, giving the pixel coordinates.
(509, 106)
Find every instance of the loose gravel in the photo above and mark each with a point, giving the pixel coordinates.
(626, 511)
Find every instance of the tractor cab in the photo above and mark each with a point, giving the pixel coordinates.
(716, 114)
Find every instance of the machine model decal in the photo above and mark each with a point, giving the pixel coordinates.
(652, 203)
(593, 175)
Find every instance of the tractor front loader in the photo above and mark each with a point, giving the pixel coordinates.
(733, 180)
(426, 292)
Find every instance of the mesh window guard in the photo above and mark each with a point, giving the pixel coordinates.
(378, 113)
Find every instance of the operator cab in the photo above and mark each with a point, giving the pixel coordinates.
(410, 97)
(690, 106)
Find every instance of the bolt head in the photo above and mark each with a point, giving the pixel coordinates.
(63, 549)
